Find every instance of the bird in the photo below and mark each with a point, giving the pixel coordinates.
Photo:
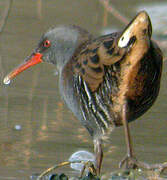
(106, 81)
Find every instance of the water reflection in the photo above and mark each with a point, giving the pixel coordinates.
(49, 132)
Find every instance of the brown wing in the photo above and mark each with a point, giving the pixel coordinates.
(89, 63)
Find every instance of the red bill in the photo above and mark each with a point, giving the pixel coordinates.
(32, 60)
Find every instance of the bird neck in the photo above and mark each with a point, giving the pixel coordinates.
(65, 58)
(73, 47)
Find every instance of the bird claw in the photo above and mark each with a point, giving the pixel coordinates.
(133, 163)
(154, 167)
(129, 162)
(162, 167)
(90, 166)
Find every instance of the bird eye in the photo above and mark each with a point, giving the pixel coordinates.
(46, 43)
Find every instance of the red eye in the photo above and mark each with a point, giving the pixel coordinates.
(46, 43)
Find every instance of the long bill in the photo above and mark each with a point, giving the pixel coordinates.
(32, 60)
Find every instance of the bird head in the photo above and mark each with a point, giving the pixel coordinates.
(56, 46)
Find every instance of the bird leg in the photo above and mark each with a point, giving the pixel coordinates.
(98, 154)
(130, 160)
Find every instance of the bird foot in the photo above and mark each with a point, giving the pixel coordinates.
(90, 166)
(129, 162)
(132, 163)
(154, 167)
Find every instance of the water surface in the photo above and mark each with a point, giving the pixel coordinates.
(36, 128)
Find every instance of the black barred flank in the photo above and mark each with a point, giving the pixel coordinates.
(96, 106)
(93, 109)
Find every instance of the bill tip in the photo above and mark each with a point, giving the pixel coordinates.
(6, 80)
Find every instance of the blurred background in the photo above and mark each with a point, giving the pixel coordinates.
(36, 128)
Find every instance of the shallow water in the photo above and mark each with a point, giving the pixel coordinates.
(36, 128)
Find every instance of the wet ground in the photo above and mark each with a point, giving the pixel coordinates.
(36, 128)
